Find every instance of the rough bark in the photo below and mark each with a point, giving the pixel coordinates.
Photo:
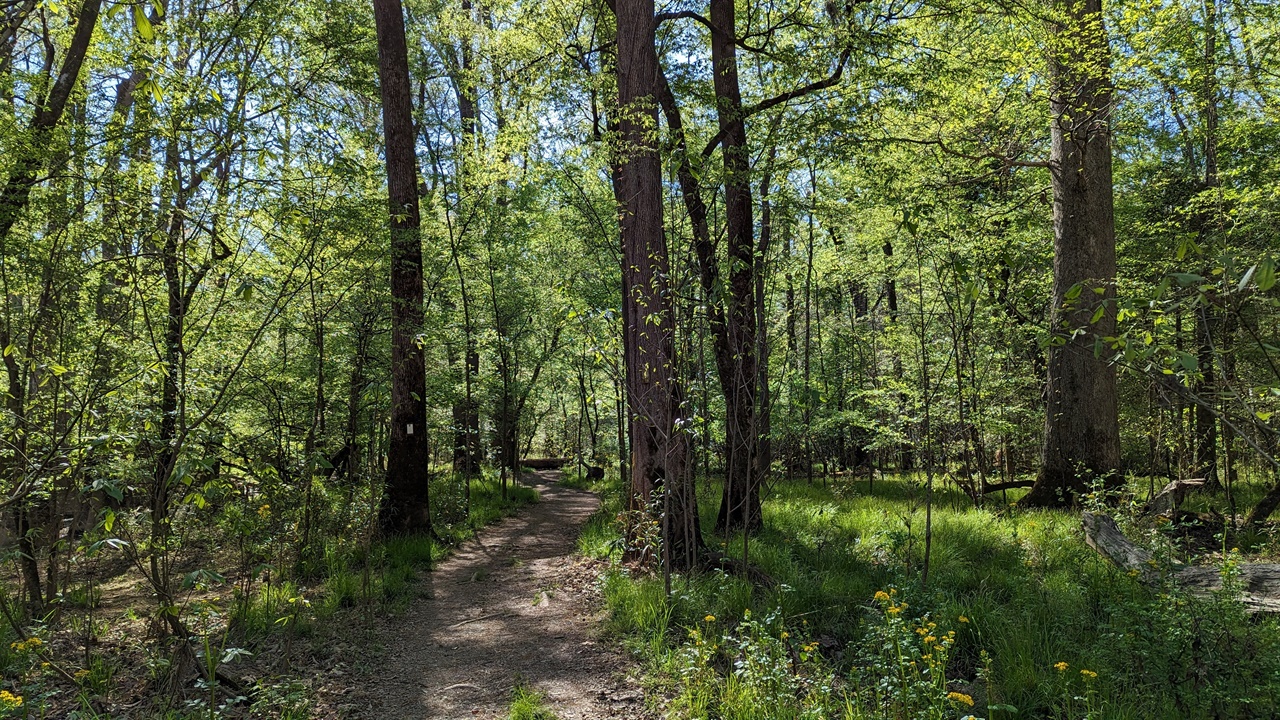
(659, 448)
(1082, 434)
(405, 505)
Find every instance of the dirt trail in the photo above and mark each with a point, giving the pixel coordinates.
(514, 604)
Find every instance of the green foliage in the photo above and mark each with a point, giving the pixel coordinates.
(849, 632)
(527, 704)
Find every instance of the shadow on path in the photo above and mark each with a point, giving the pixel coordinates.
(513, 605)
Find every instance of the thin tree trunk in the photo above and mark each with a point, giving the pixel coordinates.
(406, 505)
(740, 503)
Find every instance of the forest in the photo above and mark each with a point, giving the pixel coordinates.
(737, 359)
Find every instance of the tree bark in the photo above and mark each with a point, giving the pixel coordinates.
(1082, 434)
(405, 505)
(659, 447)
(740, 502)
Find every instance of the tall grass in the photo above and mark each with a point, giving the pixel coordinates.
(1020, 589)
(354, 573)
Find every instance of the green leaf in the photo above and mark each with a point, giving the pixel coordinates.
(1266, 274)
(143, 24)
(153, 87)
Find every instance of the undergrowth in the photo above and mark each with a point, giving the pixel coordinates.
(1019, 619)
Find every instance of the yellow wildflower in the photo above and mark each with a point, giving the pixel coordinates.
(709, 618)
(30, 643)
(10, 701)
(1061, 666)
(960, 698)
(82, 674)
(882, 596)
(264, 511)
(964, 619)
(930, 639)
(893, 609)
(785, 634)
(1088, 674)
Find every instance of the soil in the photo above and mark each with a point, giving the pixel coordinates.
(515, 606)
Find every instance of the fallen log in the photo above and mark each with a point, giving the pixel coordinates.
(1170, 498)
(1259, 582)
(544, 463)
(989, 488)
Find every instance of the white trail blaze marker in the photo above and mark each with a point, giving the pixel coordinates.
(408, 429)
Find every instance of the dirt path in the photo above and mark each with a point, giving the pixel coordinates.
(514, 605)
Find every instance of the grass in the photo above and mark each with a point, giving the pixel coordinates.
(1031, 594)
(527, 704)
(354, 574)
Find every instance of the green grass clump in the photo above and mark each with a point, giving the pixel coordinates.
(353, 574)
(1043, 627)
(528, 704)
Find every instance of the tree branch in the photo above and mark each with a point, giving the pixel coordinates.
(777, 100)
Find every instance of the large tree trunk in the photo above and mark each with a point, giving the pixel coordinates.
(659, 449)
(405, 505)
(740, 504)
(1082, 434)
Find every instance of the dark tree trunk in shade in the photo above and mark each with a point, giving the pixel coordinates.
(1082, 435)
(659, 447)
(405, 505)
(740, 503)
(466, 412)
(1208, 319)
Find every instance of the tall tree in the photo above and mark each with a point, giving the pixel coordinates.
(405, 505)
(1082, 433)
(740, 504)
(659, 447)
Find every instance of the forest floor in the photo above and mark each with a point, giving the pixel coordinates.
(516, 606)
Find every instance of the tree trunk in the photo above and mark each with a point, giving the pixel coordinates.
(1082, 434)
(659, 449)
(26, 167)
(740, 503)
(1208, 317)
(405, 505)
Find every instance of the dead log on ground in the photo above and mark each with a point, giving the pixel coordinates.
(544, 463)
(1259, 582)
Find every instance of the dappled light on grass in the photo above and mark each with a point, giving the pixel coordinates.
(1011, 595)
